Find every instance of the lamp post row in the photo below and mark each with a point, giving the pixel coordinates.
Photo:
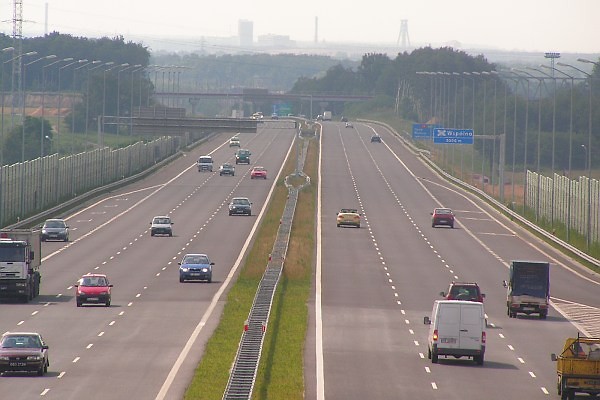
(517, 76)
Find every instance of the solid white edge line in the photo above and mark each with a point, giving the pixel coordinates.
(186, 349)
(318, 306)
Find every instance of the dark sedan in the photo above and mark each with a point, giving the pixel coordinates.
(240, 206)
(23, 352)
(55, 229)
(197, 267)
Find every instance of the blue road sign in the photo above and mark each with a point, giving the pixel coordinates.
(452, 136)
(423, 131)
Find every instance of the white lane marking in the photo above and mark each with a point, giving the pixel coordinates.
(89, 346)
(217, 296)
(61, 375)
(44, 392)
(544, 390)
(521, 360)
(511, 348)
(76, 359)
(111, 323)
(428, 370)
(433, 386)
(101, 334)
(532, 374)
(20, 323)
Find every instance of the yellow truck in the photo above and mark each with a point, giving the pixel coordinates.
(578, 367)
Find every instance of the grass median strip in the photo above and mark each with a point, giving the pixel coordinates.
(280, 374)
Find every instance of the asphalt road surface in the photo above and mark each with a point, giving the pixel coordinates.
(378, 282)
(148, 343)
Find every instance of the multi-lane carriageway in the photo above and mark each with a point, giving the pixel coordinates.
(373, 285)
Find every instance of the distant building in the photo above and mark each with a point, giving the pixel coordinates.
(278, 41)
(246, 33)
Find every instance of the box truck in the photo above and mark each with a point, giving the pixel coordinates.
(528, 288)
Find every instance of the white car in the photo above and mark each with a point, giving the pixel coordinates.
(161, 225)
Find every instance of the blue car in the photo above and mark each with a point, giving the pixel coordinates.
(195, 267)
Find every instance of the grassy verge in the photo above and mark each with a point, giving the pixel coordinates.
(280, 373)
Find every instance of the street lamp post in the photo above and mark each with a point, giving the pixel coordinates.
(125, 67)
(4, 50)
(135, 68)
(25, 98)
(20, 84)
(58, 114)
(87, 97)
(589, 148)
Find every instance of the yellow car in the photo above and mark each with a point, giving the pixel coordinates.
(348, 216)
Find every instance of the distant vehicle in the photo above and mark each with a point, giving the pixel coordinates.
(234, 142)
(197, 267)
(349, 125)
(55, 229)
(348, 217)
(226, 169)
(258, 172)
(457, 329)
(274, 116)
(23, 352)
(344, 119)
(161, 225)
(257, 115)
(320, 117)
(326, 115)
(528, 288)
(93, 288)
(375, 138)
(468, 291)
(240, 206)
(578, 367)
(242, 156)
(442, 216)
(205, 163)
(20, 260)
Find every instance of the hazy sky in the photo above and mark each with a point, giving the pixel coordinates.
(527, 25)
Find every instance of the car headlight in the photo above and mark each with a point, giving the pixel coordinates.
(184, 269)
(205, 269)
(44, 231)
(34, 358)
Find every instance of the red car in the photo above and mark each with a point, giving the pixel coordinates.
(258, 172)
(463, 291)
(93, 288)
(442, 216)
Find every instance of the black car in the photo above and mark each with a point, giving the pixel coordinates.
(227, 169)
(55, 229)
(376, 138)
(240, 206)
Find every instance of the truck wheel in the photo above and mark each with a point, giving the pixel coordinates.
(543, 315)
(571, 395)
(429, 353)
(478, 359)
(434, 357)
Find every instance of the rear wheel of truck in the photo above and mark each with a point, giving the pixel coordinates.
(434, 357)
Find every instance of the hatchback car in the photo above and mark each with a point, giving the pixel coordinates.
(349, 125)
(161, 225)
(469, 291)
(197, 267)
(23, 352)
(442, 216)
(258, 172)
(240, 206)
(93, 288)
(227, 169)
(55, 229)
(348, 217)
(242, 156)
(376, 139)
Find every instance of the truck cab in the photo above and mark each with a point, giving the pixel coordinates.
(20, 259)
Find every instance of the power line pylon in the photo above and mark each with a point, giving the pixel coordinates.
(403, 39)
(17, 61)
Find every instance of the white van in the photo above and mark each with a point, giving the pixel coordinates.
(457, 329)
(205, 163)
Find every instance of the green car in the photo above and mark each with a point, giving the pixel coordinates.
(242, 156)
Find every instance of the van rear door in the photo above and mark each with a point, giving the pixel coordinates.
(448, 325)
(471, 326)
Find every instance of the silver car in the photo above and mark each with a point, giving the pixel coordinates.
(55, 229)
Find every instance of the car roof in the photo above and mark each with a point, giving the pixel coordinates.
(349, 211)
(19, 333)
(91, 275)
(161, 216)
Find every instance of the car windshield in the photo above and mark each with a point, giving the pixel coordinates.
(93, 281)
(162, 221)
(241, 201)
(22, 341)
(224, 166)
(54, 224)
(205, 160)
(195, 259)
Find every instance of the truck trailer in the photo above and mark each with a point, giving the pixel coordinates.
(528, 288)
(20, 260)
(326, 115)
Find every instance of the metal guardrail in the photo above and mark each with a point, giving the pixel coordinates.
(243, 372)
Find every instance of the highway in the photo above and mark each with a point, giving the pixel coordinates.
(374, 285)
(148, 343)
(379, 281)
